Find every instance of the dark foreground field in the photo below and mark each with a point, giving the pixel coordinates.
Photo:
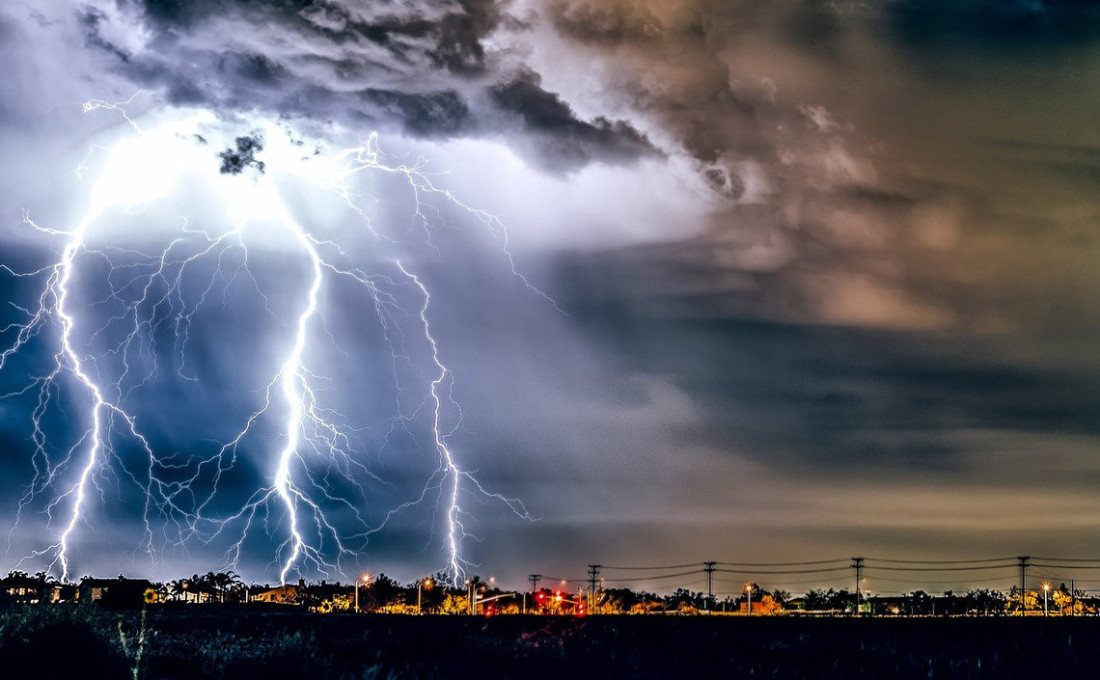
(61, 642)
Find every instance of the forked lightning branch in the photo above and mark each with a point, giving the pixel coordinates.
(122, 316)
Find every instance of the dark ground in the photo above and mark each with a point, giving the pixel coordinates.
(211, 643)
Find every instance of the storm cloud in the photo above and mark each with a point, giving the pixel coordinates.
(820, 276)
(424, 68)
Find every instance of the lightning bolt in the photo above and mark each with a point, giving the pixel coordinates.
(317, 464)
(54, 302)
(449, 477)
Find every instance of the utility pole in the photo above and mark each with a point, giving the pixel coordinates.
(708, 567)
(534, 579)
(593, 577)
(857, 564)
(1023, 562)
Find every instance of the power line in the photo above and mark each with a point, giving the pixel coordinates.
(555, 579)
(991, 559)
(1064, 566)
(991, 579)
(985, 568)
(654, 578)
(772, 583)
(781, 564)
(785, 571)
(971, 573)
(674, 566)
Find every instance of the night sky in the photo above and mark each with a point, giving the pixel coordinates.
(781, 281)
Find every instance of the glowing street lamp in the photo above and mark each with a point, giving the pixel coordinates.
(365, 578)
(1046, 591)
(426, 583)
(748, 591)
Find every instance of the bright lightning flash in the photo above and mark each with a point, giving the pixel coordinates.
(108, 350)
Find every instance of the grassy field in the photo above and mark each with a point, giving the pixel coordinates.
(213, 643)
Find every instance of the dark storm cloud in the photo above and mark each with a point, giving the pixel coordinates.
(854, 183)
(807, 24)
(90, 20)
(442, 114)
(457, 29)
(1009, 22)
(701, 73)
(1078, 164)
(691, 91)
(828, 397)
(814, 26)
(607, 23)
(564, 140)
(422, 69)
(235, 160)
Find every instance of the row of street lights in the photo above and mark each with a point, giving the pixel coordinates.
(472, 594)
(420, 586)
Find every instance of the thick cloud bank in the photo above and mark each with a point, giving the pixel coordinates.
(816, 262)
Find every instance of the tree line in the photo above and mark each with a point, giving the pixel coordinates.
(439, 594)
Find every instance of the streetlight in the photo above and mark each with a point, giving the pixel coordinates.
(1046, 590)
(426, 583)
(365, 578)
(748, 590)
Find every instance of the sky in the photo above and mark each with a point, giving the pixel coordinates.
(678, 281)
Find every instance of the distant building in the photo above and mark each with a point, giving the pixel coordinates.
(757, 608)
(118, 593)
(189, 593)
(19, 588)
(282, 594)
(797, 604)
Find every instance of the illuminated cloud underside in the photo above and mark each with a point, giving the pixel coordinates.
(309, 457)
